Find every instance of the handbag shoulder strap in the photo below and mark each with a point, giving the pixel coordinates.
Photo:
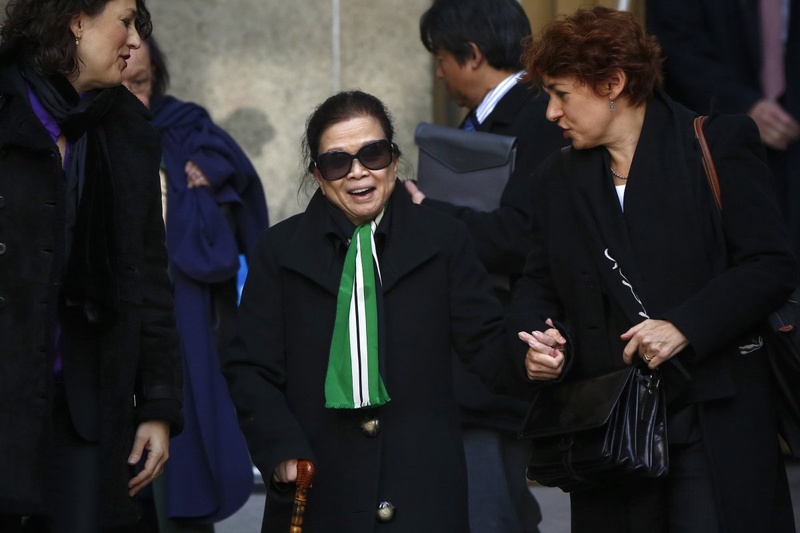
(708, 162)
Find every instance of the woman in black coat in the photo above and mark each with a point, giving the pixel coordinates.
(90, 383)
(388, 459)
(632, 257)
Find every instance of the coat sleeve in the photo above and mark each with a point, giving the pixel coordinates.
(762, 270)
(501, 235)
(535, 298)
(255, 368)
(160, 374)
(477, 320)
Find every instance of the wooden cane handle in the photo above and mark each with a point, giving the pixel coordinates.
(305, 473)
(305, 476)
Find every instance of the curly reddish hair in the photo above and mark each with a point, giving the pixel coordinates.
(591, 44)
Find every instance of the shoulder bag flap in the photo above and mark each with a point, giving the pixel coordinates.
(465, 151)
(574, 406)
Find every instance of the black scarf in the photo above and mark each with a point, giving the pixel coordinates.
(90, 240)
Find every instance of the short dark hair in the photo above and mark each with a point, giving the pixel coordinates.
(497, 27)
(591, 44)
(339, 108)
(159, 63)
(43, 29)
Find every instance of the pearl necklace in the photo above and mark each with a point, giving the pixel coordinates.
(617, 174)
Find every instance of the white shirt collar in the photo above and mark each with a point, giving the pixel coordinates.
(495, 95)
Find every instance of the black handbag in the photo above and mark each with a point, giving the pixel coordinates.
(783, 338)
(589, 431)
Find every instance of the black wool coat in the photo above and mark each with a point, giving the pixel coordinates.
(716, 281)
(116, 373)
(436, 297)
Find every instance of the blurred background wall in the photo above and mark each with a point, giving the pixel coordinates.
(261, 66)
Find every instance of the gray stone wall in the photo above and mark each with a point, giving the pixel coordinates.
(261, 66)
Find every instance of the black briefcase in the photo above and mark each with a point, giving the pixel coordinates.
(467, 168)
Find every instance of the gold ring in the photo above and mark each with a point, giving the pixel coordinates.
(160, 472)
(647, 357)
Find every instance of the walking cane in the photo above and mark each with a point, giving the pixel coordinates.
(305, 475)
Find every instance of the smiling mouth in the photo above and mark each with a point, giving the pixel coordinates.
(361, 192)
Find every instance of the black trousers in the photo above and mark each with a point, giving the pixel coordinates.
(683, 502)
(10, 523)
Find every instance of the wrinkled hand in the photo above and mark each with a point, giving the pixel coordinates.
(416, 195)
(777, 127)
(153, 436)
(194, 176)
(286, 472)
(658, 340)
(545, 357)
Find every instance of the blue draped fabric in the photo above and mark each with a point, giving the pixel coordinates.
(209, 475)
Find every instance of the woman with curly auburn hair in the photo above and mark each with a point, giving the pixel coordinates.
(631, 196)
(90, 376)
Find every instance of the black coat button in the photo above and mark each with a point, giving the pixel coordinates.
(371, 426)
(385, 512)
(2, 302)
(2, 248)
(2, 202)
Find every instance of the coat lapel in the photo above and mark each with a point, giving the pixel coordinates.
(603, 228)
(407, 245)
(30, 133)
(506, 110)
(322, 260)
(401, 239)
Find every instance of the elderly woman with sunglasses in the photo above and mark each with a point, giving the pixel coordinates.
(345, 333)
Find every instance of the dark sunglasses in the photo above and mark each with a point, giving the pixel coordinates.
(374, 156)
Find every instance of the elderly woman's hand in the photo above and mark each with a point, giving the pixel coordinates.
(545, 357)
(655, 341)
(195, 176)
(286, 472)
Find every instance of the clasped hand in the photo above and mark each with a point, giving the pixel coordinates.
(655, 341)
(545, 357)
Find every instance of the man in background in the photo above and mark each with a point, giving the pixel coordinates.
(740, 57)
(477, 46)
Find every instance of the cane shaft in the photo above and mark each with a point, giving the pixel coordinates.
(305, 476)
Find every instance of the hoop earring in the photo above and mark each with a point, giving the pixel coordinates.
(611, 104)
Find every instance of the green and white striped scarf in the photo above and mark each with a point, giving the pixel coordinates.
(353, 380)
